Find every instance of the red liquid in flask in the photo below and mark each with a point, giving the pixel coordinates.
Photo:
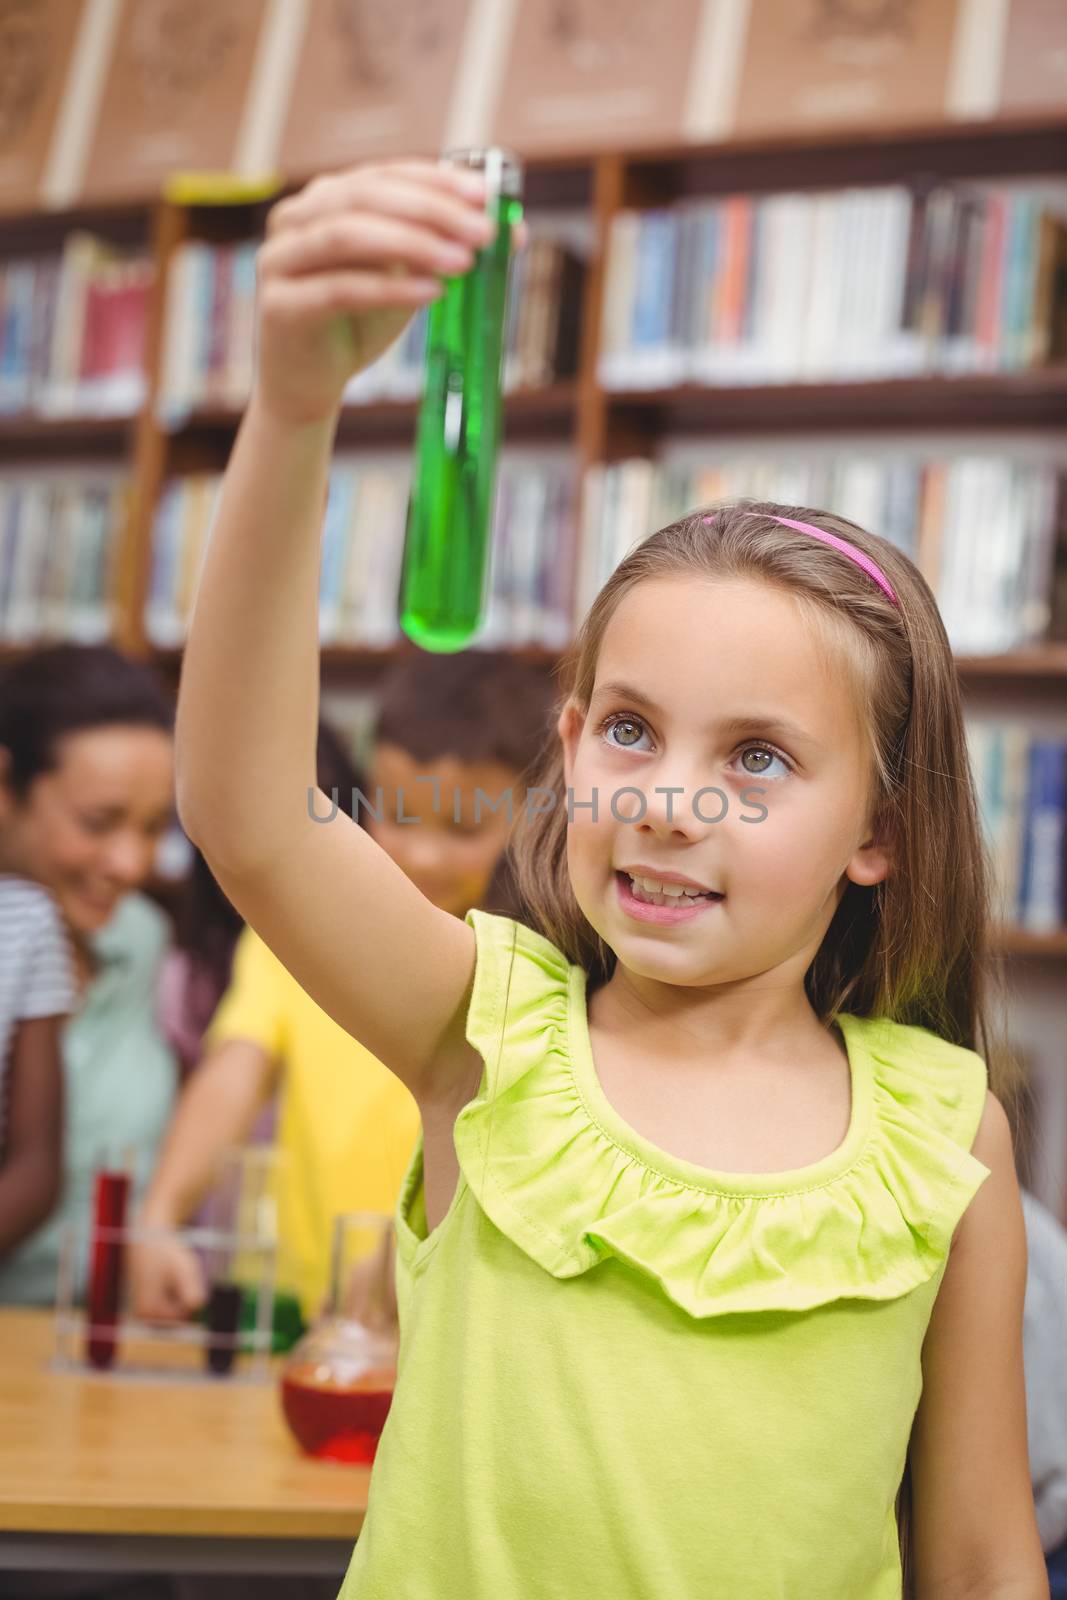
(335, 1421)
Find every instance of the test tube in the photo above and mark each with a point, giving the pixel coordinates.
(446, 548)
(111, 1196)
(224, 1322)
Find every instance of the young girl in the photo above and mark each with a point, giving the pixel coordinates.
(710, 1192)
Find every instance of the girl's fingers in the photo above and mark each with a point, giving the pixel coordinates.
(417, 194)
(463, 180)
(294, 300)
(452, 215)
(346, 239)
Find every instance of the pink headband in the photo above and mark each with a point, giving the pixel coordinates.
(858, 556)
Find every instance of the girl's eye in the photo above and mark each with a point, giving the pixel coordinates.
(629, 730)
(764, 750)
(626, 731)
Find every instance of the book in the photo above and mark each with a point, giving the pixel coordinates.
(1043, 905)
(173, 95)
(530, 578)
(983, 526)
(370, 81)
(60, 530)
(849, 285)
(817, 64)
(72, 330)
(210, 312)
(596, 74)
(37, 49)
(1033, 73)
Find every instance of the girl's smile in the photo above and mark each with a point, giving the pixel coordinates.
(667, 905)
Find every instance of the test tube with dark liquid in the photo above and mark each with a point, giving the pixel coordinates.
(446, 549)
(224, 1322)
(106, 1265)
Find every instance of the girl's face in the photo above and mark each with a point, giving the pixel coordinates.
(448, 850)
(717, 686)
(88, 830)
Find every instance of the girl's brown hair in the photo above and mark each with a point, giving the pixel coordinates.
(914, 948)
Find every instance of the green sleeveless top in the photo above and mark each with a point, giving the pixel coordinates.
(622, 1374)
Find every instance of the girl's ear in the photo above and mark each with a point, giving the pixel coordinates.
(569, 727)
(874, 861)
(871, 863)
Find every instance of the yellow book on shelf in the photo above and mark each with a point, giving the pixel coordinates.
(220, 188)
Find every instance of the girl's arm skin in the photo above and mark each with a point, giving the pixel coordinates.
(216, 1112)
(345, 263)
(31, 1168)
(974, 1525)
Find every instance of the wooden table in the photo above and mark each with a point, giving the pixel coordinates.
(120, 1473)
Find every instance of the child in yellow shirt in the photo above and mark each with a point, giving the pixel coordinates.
(347, 1125)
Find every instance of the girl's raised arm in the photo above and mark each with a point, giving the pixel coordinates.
(345, 264)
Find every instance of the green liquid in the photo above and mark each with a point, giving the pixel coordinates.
(446, 550)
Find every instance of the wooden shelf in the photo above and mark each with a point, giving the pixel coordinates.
(37, 437)
(550, 411)
(1046, 663)
(1049, 663)
(123, 222)
(356, 660)
(1008, 400)
(1021, 942)
(1004, 399)
(923, 153)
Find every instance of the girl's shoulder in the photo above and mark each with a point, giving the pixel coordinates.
(571, 1184)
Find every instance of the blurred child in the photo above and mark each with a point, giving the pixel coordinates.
(37, 992)
(196, 972)
(1045, 1350)
(86, 794)
(453, 738)
(347, 1125)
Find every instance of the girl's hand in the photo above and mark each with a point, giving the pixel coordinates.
(346, 263)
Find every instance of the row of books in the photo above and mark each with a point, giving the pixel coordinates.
(99, 111)
(983, 529)
(853, 284)
(59, 541)
(208, 339)
(363, 540)
(1022, 789)
(72, 331)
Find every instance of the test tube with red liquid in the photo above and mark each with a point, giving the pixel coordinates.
(106, 1263)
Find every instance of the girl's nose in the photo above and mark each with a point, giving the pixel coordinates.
(669, 809)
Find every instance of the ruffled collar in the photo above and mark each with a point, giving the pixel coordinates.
(572, 1184)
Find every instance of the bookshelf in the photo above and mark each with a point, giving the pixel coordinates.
(598, 424)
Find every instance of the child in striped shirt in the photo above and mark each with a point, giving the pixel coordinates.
(37, 991)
